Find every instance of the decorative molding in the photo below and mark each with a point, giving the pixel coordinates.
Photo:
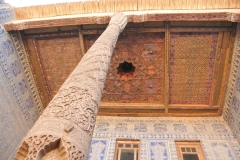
(142, 30)
(126, 30)
(51, 35)
(144, 17)
(199, 29)
(17, 40)
(233, 74)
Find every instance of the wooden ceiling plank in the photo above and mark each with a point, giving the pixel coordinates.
(35, 66)
(216, 69)
(40, 63)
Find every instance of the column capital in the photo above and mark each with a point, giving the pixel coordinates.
(120, 20)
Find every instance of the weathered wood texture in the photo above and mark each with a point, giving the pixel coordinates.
(156, 16)
(100, 6)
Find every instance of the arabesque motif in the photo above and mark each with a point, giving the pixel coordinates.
(146, 52)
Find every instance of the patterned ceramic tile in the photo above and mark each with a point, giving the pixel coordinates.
(99, 149)
(222, 150)
(158, 150)
(159, 134)
(18, 111)
(6, 14)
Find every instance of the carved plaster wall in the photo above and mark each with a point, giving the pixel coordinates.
(232, 101)
(18, 108)
(158, 135)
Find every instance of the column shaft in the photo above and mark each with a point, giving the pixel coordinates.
(64, 130)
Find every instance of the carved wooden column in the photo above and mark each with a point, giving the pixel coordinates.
(64, 130)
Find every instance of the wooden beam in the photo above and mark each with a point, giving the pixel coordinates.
(214, 88)
(37, 71)
(232, 15)
(81, 40)
(167, 72)
(131, 105)
(198, 29)
(131, 112)
(192, 107)
(40, 64)
(127, 30)
(193, 112)
(225, 51)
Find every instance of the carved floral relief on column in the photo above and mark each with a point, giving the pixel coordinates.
(67, 124)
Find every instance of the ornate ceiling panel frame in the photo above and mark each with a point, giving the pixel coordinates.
(151, 109)
(17, 40)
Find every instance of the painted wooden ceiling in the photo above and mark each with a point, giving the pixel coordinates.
(181, 68)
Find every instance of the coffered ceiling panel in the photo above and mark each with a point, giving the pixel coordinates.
(192, 57)
(58, 58)
(172, 70)
(146, 52)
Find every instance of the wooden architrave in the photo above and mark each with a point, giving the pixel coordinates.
(136, 17)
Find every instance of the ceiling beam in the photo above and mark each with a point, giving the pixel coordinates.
(232, 15)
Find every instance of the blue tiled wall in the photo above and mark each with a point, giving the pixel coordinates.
(18, 111)
(232, 101)
(157, 137)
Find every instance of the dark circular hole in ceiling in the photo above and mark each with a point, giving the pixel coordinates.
(126, 70)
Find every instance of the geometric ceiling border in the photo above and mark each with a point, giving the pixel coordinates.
(17, 40)
(233, 73)
(93, 19)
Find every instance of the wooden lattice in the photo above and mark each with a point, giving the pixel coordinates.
(146, 52)
(192, 57)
